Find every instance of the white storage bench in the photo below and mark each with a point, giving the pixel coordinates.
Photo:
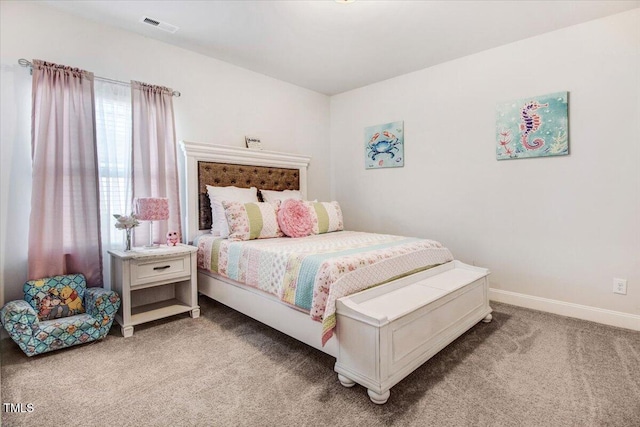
(387, 332)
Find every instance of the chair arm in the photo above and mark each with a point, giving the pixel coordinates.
(101, 303)
(18, 317)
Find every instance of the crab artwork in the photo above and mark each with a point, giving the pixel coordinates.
(384, 148)
(388, 145)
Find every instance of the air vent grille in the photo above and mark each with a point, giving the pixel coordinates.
(159, 24)
(151, 21)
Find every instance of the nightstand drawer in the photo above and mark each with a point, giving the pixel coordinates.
(163, 269)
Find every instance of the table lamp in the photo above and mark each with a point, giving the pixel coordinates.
(152, 209)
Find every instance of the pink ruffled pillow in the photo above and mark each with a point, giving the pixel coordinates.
(294, 218)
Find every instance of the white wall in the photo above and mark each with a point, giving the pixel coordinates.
(220, 104)
(558, 228)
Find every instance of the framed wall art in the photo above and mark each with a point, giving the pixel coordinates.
(384, 146)
(533, 127)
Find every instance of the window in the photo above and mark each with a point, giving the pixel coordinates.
(113, 134)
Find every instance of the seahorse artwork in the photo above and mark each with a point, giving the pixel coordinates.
(530, 123)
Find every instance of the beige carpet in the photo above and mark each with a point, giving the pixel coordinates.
(225, 369)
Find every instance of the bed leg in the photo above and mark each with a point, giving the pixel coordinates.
(345, 381)
(377, 398)
(487, 318)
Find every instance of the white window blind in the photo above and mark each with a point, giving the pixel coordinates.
(113, 132)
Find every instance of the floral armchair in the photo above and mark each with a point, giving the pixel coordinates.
(59, 312)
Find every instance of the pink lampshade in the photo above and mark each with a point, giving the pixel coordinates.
(152, 208)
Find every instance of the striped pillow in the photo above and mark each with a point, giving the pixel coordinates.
(248, 221)
(326, 217)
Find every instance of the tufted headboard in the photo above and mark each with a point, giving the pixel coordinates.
(208, 164)
(225, 174)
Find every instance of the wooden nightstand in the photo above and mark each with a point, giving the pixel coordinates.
(154, 283)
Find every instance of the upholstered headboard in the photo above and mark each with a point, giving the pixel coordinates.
(225, 174)
(208, 164)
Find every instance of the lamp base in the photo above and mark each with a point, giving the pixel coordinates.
(151, 245)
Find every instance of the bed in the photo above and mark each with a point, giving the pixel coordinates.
(379, 334)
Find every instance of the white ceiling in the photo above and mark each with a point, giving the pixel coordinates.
(331, 48)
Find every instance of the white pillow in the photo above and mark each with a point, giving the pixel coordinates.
(272, 196)
(219, 226)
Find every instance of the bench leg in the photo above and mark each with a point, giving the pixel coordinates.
(345, 381)
(377, 398)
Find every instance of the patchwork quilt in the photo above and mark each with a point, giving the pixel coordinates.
(312, 272)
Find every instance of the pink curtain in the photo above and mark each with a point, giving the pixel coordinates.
(155, 169)
(64, 227)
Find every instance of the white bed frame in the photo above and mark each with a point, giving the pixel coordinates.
(383, 333)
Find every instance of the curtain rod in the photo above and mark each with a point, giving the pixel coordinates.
(27, 64)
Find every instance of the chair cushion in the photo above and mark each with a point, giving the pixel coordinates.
(59, 333)
(55, 297)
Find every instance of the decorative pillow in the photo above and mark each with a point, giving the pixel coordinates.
(248, 221)
(219, 225)
(325, 217)
(272, 196)
(294, 218)
(55, 297)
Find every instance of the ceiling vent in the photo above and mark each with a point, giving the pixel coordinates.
(159, 24)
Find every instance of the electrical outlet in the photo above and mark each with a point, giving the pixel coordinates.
(620, 286)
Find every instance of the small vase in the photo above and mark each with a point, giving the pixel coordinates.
(128, 241)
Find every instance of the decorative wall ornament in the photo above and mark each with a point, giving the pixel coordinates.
(253, 142)
(533, 127)
(384, 146)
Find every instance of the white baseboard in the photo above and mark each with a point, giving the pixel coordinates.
(584, 312)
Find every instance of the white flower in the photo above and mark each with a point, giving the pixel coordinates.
(126, 222)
